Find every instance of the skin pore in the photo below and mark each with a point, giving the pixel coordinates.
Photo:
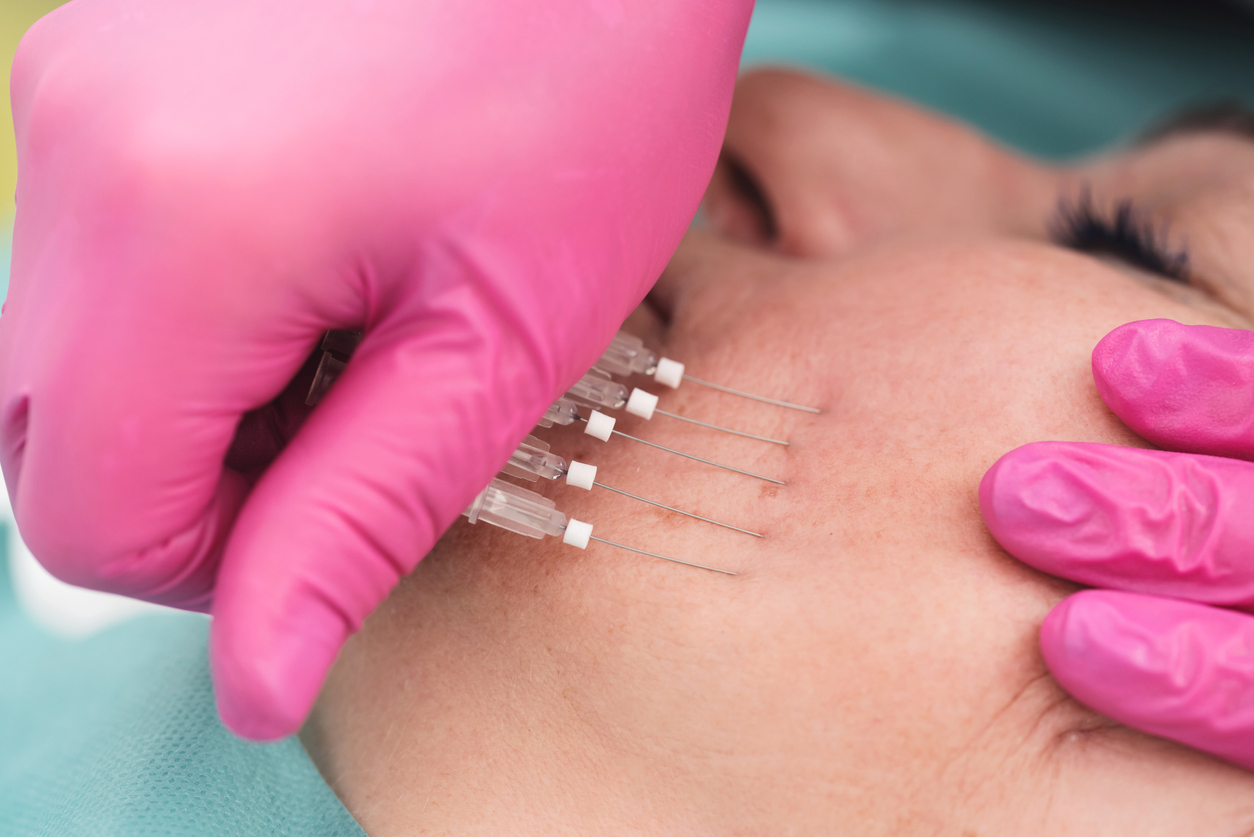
(873, 668)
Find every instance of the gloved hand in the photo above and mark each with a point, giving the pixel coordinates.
(1149, 524)
(485, 187)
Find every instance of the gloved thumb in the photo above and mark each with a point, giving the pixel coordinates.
(419, 422)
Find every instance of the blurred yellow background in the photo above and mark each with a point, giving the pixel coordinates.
(16, 16)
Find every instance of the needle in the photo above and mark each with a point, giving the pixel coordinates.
(761, 398)
(601, 426)
(677, 511)
(724, 429)
(698, 459)
(663, 557)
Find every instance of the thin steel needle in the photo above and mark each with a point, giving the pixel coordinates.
(761, 398)
(690, 456)
(672, 508)
(663, 557)
(724, 429)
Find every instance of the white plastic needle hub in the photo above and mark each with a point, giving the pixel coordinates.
(642, 403)
(669, 373)
(581, 475)
(577, 533)
(599, 426)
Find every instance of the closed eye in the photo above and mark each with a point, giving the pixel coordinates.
(1122, 232)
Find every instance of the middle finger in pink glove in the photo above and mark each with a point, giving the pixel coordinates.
(1150, 521)
(1176, 669)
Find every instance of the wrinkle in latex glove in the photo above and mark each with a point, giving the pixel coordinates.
(1158, 522)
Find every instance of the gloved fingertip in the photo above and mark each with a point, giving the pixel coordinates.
(1183, 387)
(265, 690)
(1124, 338)
(1071, 638)
(996, 487)
(1103, 648)
(1127, 362)
(1170, 668)
(988, 490)
(1002, 484)
(1028, 499)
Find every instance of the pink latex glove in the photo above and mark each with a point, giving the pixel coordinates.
(486, 187)
(1156, 524)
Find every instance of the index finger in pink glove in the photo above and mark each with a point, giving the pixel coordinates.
(1179, 670)
(1182, 387)
(1159, 522)
(206, 186)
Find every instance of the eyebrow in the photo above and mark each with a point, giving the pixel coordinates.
(1229, 117)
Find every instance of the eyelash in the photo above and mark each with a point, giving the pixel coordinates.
(1124, 232)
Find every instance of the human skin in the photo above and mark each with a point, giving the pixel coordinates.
(873, 668)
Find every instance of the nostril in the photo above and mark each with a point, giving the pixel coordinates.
(755, 216)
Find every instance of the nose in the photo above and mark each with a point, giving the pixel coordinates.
(815, 168)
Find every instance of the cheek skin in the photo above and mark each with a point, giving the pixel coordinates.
(931, 367)
(877, 655)
(988, 348)
(944, 361)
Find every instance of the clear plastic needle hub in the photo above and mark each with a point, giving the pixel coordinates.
(532, 460)
(627, 355)
(563, 412)
(342, 342)
(517, 510)
(524, 512)
(598, 391)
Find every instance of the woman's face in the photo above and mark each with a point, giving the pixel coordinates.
(873, 668)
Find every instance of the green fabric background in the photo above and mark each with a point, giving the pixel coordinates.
(117, 734)
(1055, 79)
